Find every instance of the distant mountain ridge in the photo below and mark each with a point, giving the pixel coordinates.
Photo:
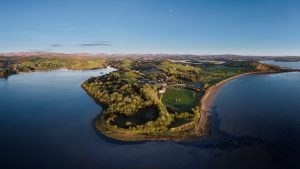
(170, 56)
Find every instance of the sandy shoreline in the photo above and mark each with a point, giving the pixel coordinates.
(208, 100)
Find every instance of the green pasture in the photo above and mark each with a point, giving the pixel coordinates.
(179, 99)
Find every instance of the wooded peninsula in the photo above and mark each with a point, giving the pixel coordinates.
(147, 98)
(161, 99)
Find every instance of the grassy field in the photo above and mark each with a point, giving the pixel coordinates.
(179, 99)
(223, 68)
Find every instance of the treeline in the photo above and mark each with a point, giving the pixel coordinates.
(38, 63)
(6, 72)
(12, 65)
(121, 98)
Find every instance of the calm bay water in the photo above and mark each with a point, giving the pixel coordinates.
(46, 121)
(293, 65)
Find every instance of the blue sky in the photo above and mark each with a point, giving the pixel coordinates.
(249, 27)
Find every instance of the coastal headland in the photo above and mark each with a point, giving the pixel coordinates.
(173, 105)
(148, 98)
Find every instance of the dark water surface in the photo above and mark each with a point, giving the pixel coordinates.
(46, 121)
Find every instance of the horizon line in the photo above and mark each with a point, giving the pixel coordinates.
(154, 54)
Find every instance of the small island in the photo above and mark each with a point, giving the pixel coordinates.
(162, 99)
